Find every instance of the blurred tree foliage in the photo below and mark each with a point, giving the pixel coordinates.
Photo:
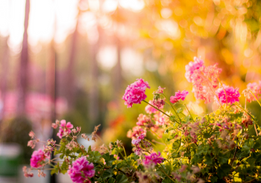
(171, 32)
(16, 131)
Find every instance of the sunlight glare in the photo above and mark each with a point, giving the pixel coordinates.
(109, 5)
(107, 57)
(41, 23)
(170, 27)
(134, 5)
(4, 17)
(131, 62)
(94, 5)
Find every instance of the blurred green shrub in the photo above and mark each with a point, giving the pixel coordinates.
(16, 130)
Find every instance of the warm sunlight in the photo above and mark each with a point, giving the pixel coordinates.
(41, 22)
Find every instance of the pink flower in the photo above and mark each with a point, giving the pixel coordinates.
(65, 129)
(204, 79)
(31, 134)
(135, 93)
(152, 160)
(159, 103)
(38, 158)
(227, 94)
(252, 91)
(27, 173)
(143, 120)
(160, 90)
(179, 96)
(81, 170)
(136, 133)
(161, 119)
(192, 66)
(149, 109)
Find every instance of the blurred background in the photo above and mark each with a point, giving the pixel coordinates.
(73, 59)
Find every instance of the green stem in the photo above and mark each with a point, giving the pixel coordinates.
(162, 169)
(189, 112)
(251, 117)
(173, 108)
(156, 108)
(124, 151)
(255, 98)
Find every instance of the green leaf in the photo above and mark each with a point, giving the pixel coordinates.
(173, 118)
(108, 173)
(223, 170)
(109, 159)
(207, 135)
(111, 180)
(214, 179)
(121, 178)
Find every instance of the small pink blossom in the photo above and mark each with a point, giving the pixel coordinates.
(31, 134)
(152, 160)
(227, 94)
(135, 141)
(160, 90)
(149, 109)
(135, 93)
(159, 103)
(38, 158)
(204, 79)
(54, 125)
(136, 133)
(27, 173)
(81, 170)
(143, 120)
(252, 91)
(161, 119)
(178, 96)
(192, 66)
(65, 129)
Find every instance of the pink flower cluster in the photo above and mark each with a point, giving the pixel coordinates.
(204, 79)
(227, 94)
(159, 103)
(81, 170)
(152, 160)
(136, 133)
(160, 90)
(161, 119)
(38, 158)
(149, 109)
(143, 120)
(135, 93)
(178, 96)
(252, 91)
(65, 129)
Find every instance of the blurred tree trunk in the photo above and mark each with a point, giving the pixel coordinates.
(70, 68)
(94, 82)
(23, 69)
(117, 74)
(5, 67)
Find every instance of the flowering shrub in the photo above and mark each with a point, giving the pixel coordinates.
(217, 147)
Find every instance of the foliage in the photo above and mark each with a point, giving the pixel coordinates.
(16, 131)
(222, 146)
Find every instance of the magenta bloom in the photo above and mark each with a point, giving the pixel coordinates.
(65, 129)
(81, 170)
(38, 158)
(179, 96)
(227, 94)
(152, 160)
(135, 93)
